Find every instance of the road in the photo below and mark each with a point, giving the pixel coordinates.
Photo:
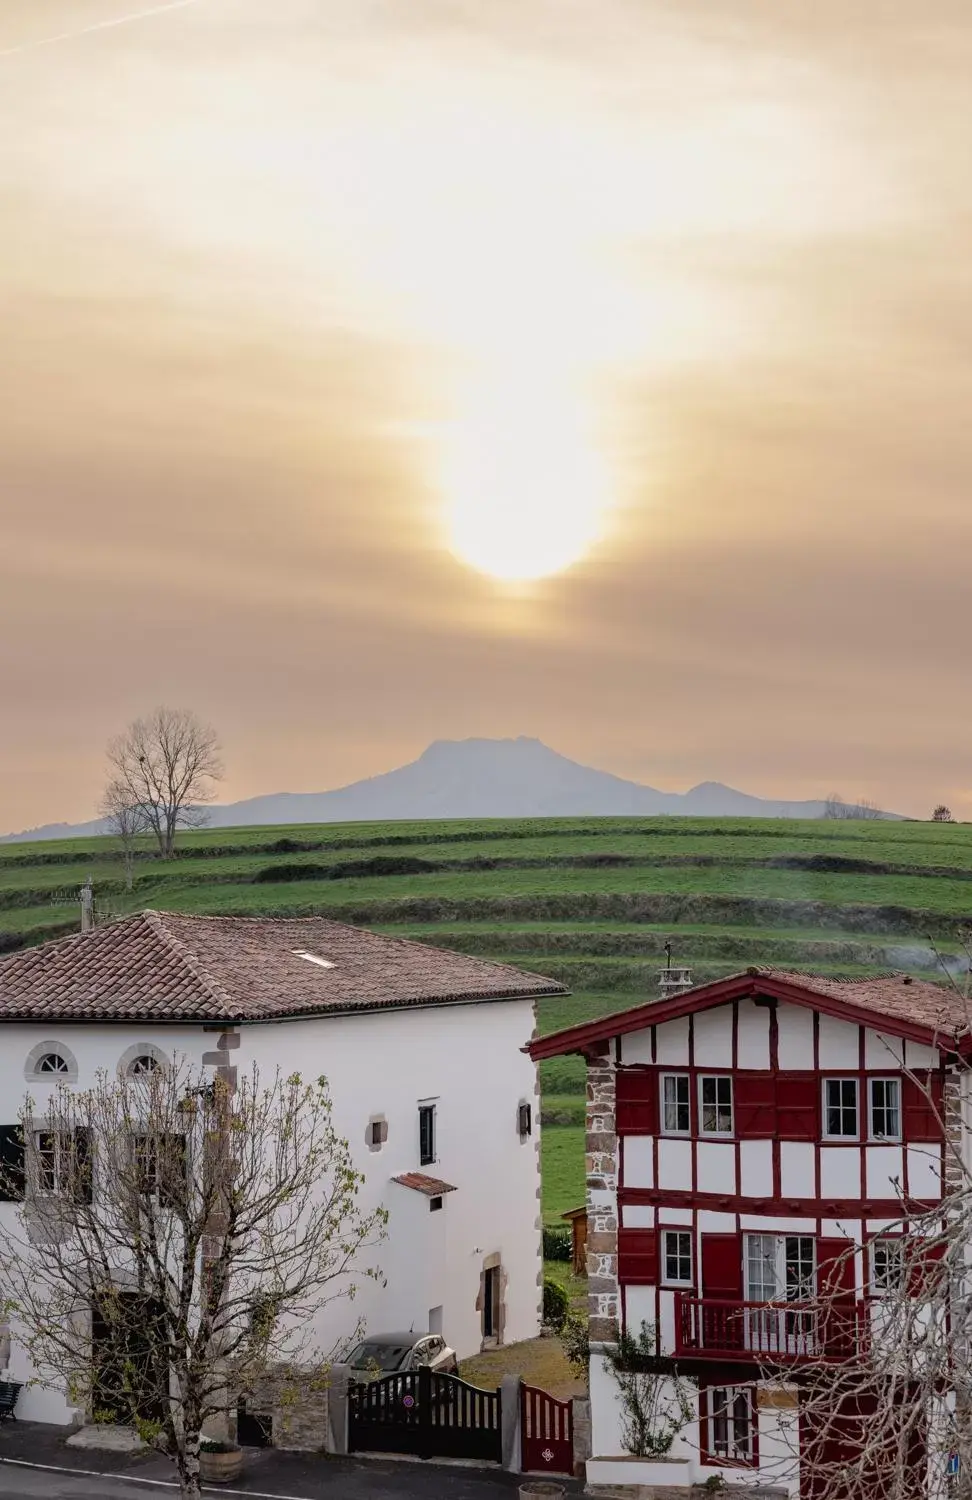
(322, 1480)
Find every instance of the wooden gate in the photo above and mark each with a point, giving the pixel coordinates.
(425, 1413)
(547, 1433)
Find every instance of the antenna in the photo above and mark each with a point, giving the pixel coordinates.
(91, 913)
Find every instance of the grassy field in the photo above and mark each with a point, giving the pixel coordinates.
(588, 901)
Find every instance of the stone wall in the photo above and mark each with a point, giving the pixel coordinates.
(603, 1298)
(297, 1406)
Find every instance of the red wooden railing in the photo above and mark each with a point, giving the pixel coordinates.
(772, 1331)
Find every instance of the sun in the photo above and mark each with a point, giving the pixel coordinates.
(525, 487)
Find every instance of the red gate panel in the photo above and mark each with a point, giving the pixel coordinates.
(547, 1433)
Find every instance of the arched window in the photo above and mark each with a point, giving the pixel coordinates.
(52, 1062)
(144, 1063)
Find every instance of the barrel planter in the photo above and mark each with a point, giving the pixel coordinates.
(541, 1489)
(221, 1465)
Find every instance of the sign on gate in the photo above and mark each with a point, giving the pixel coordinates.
(547, 1433)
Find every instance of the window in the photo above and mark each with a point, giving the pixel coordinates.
(144, 1063)
(52, 1062)
(840, 1109)
(677, 1257)
(731, 1428)
(61, 1164)
(715, 1105)
(426, 1134)
(377, 1139)
(676, 1110)
(524, 1120)
(434, 1205)
(885, 1109)
(312, 958)
(887, 1265)
(160, 1165)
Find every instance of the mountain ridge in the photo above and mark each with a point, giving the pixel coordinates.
(477, 778)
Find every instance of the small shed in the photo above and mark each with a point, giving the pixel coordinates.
(577, 1219)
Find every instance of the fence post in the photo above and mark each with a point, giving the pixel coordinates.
(511, 1440)
(581, 1423)
(337, 1410)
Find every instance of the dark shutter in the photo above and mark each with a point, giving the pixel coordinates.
(637, 1102)
(12, 1164)
(83, 1182)
(836, 1289)
(722, 1267)
(638, 1257)
(755, 1096)
(797, 1106)
(921, 1122)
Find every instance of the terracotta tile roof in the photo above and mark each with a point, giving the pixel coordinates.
(432, 1187)
(166, 966)
(898, 997)
(900, 1004)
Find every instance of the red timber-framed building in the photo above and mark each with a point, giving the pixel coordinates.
(741, 1138)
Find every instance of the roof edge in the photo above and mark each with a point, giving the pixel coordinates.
(737, 987)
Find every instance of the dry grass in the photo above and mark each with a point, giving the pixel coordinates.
(539, 1362)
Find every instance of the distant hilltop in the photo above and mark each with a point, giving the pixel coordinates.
(515, 778)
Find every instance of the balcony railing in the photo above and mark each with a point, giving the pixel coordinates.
(770, 1332)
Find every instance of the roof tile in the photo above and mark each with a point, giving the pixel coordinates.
(168, 966)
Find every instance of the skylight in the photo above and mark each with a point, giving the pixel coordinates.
(312, 958)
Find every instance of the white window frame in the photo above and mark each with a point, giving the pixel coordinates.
(724, 1135)
(733, 1454)
(55, 1155)
(825, 1133)
(882, 1288)
(871, 1133)
(667, 1280)
(688, 1103)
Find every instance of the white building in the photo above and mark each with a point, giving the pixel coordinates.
(423, 1052)
(750, 1143)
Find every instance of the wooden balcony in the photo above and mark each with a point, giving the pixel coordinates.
(768, 1332)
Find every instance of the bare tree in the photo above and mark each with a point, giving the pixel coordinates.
(166, 765)
(886, 1398)
(863, 810)
(127, 821)
(942, 814)
(176, 1241)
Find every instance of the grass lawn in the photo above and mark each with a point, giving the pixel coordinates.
(562, 1169)
(540, 1362)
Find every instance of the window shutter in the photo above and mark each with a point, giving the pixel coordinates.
(755, 1097)
(924, 1269)
(637, 1102)
(921, 1123)
(12, 1164)
(722, 1267)
(84, 1181)
(638, 1257)
(836, 1288)
(798, 1103)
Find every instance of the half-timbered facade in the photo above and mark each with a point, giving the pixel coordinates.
(742, 1137)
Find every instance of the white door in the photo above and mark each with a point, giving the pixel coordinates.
(779, 1269)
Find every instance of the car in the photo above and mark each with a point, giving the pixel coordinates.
(395, 1353)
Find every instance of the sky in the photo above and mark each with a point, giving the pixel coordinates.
(377, 371)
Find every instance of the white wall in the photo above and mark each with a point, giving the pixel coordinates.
(468, 1059)
(94, 1049)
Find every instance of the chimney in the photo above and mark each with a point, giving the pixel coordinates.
(674, 979)
(87, 906)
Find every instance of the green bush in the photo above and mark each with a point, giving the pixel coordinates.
(575, 1338)
(555, 1304)
(557, 1243)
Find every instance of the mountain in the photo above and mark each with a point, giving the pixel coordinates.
(521, 778)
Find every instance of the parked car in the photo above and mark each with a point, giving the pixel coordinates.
(394, 1353)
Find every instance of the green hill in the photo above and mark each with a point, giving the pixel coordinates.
(590, 901)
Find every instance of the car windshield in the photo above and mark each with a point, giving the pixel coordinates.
(385, 1356)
